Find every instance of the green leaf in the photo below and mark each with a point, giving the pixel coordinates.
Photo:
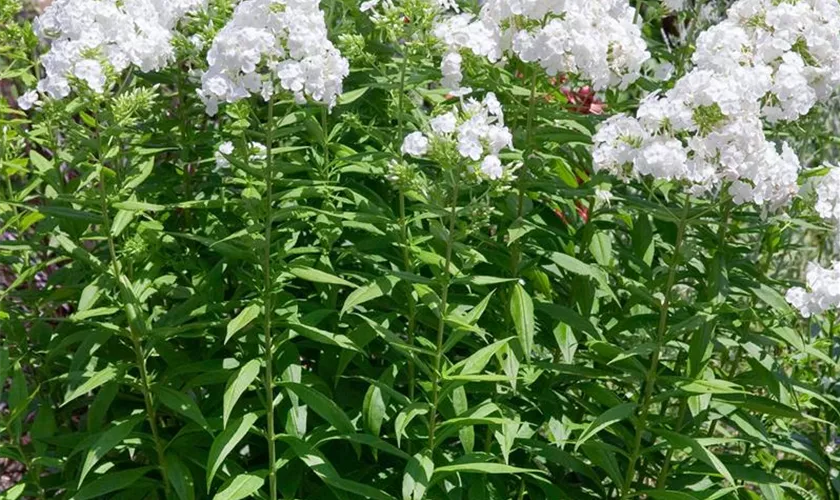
(418, 475)
(606, 419)
(642, 236)
(41, 164)
(105, 443)
(94, 381)
(225, 442)
(760, 404)
(522, 312)
(242, 486)
(111, 482)
(566, 341)
(405, 417)
(375, 403)
(14, 492)
(698, 451)
(352, 95)
(484, 468)
(242, 320)
(601, 248)
(236, 387)
(668, 495)
(180, 477)
(772, 298)
(324, 337)
(318, 276)
(319, 464)
(181, 403)
(138, 206)
(121, 221)
(578, 267)
(478, 360)
(382, 286)
(323, 406)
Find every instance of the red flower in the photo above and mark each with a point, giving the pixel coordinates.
(584, 101)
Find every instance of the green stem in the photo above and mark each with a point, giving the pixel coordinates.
(444, 296)
(267, 304)
(520, 185)
(650, 377)
(412, 313)
(723, 231)
(140, 358)
(186, 134)
(407, 266)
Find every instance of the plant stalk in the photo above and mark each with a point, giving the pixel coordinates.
(137, 347)
(723, 231)
(407, 266)
(650, 377)
(267, 305)
(444, 296)
(516, 258)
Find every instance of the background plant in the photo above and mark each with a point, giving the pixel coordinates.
(257, 286)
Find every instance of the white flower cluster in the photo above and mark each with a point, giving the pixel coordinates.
(371, 5)
(822, 293)
(828, 196)
(768, 59)
(286, 38)
(476, 131)
(787, 53)
(88, 35)
(596, 40)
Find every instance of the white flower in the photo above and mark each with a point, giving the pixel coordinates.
(603, 196)
(27, 100)
(285, 37)
(617, 144)
(444, 124)
(596, 40)
(822, 292)
(415, 144)
(90, 72)
(473, 128)
(492, 167)
(450, 68)
(225, 149)
(85, 34)
(828, 196)
(662, 158)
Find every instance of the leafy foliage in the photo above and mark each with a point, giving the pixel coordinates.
(309, 325)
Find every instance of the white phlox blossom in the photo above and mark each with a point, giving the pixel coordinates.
(792, 48)
(88, 35)
(767, 60)
(266, 40)
(828, 196)
(596, 40)
(371, 5)
(28, 100)
(475, 129)
(822, 291)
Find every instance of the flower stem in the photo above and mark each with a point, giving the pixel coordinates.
(723, 231)
(137, 347)
(267, 304)
(444, 295)
(516, 257)
(407, 266)
(650, 377)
